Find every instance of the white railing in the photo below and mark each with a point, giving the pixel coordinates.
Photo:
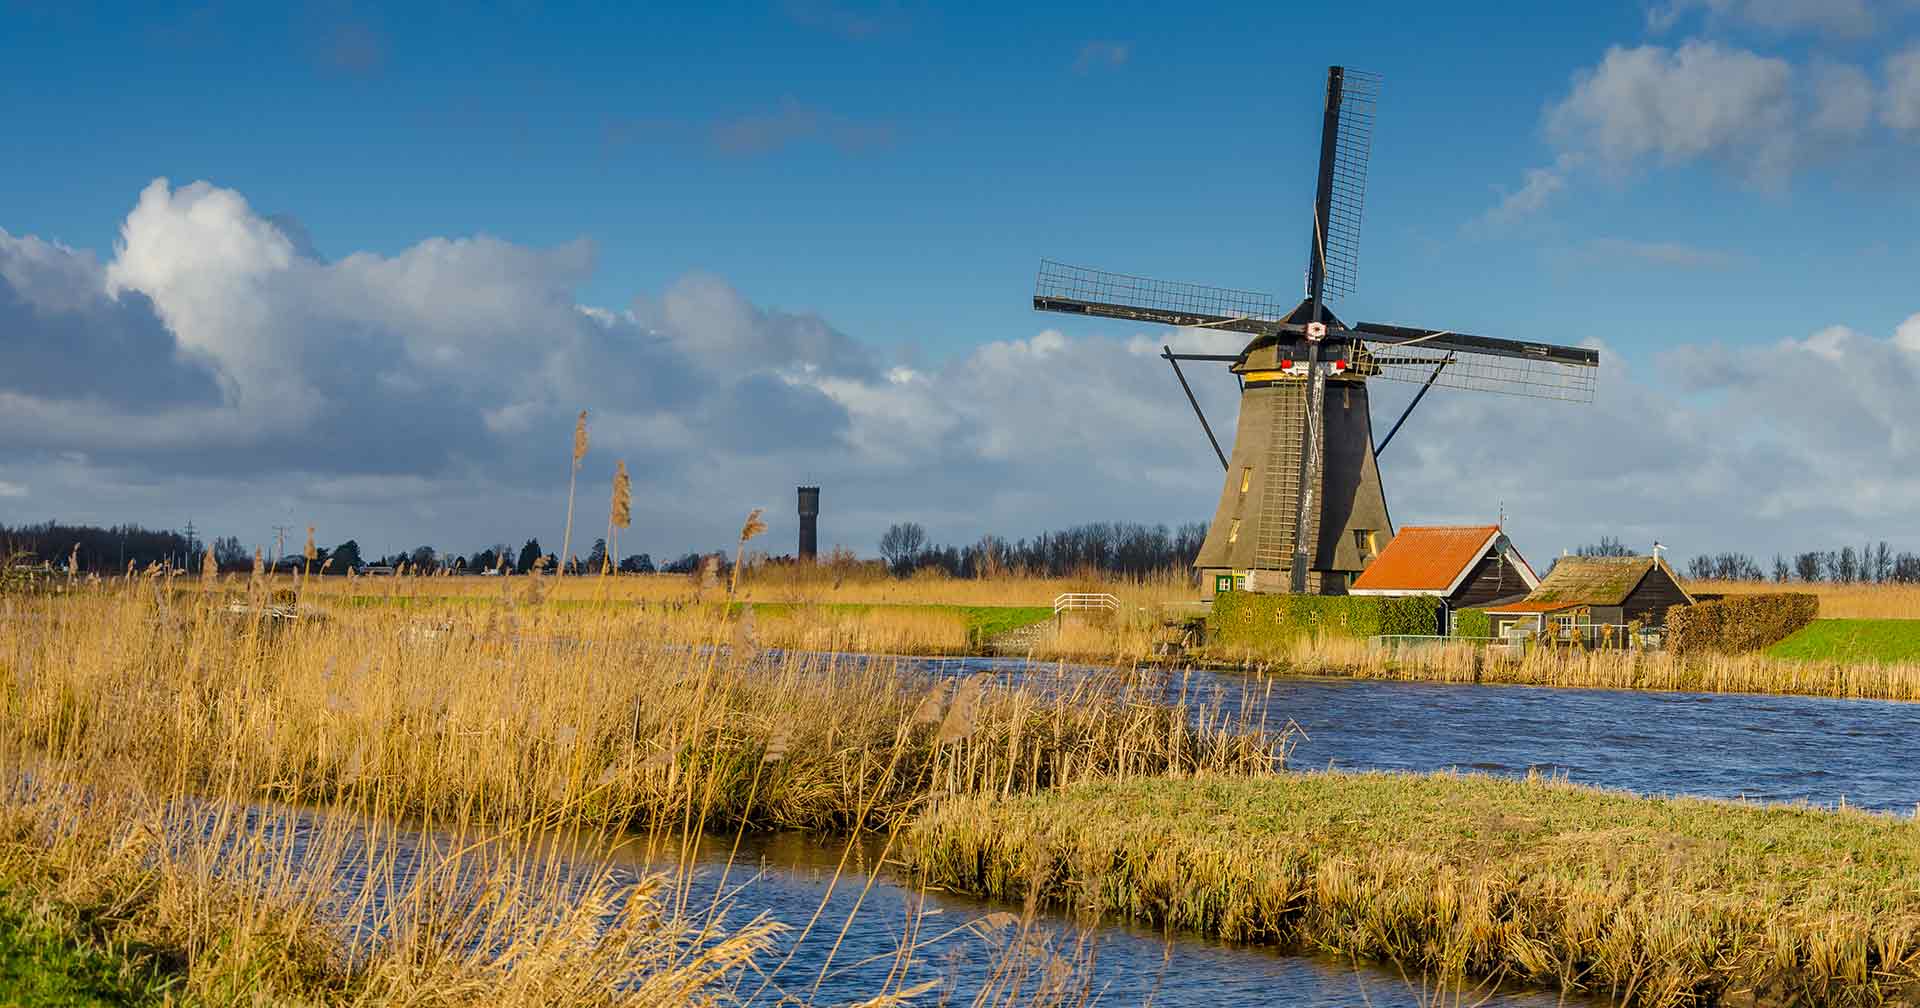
(1082, 601)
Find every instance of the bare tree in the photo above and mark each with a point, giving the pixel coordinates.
(901, 545)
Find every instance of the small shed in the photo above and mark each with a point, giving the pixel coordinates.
(1465, 566)
(1596, 591)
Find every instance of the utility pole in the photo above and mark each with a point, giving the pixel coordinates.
(279, 544)
(187, 560)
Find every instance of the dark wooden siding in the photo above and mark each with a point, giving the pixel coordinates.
(1652, 597)
(1492, 578)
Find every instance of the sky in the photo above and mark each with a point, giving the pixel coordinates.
(359, 268)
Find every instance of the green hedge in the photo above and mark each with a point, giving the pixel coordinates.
(1737, 624)
(1472, 623)
(1251, 618)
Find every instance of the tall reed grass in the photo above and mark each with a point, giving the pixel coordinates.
(1584, 669)
(1662, 902)
(154, 742)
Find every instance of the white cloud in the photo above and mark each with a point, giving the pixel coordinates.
(1850, 18)
(1682, 104)
(1658, 253)
(429, 396)
(1842, 100)
(1900, 105)
(1535, 191)
(12, 489)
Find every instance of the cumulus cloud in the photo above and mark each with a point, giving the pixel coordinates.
(1760, 118)
(1700, 100)
(1900, 108)
(428, 396)
(1851, 18)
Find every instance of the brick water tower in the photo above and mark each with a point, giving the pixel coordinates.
(809, 523)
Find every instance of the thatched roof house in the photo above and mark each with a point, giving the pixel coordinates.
(1602, 591)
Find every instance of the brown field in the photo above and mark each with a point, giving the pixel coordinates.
(785, 585)
(1837, 601)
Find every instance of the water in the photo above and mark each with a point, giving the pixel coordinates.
(1719, 745)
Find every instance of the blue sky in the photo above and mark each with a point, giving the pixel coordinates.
(896, 170)
(900, 168)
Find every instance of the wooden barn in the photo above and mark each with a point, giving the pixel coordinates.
(1465, 566)
(1595, 592)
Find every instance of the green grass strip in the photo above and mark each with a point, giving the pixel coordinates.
(47, 959)
(1853, 640)
(1653, 901)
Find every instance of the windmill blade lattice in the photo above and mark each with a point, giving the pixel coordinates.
(1354, 144)
(1532, 379)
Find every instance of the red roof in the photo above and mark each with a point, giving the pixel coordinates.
(1427, 558)
(1526, 606)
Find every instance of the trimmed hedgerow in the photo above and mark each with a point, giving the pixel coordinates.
(1737, 624)
(1250, 618)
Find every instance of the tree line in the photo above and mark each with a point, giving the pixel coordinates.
(1872, 563)
(1122, 548)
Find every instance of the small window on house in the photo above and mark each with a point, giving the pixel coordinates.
(1246, 478)
(1363, 541)
(1222, 583)
(1233, 531)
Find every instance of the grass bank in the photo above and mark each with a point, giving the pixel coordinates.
(1853, 640)
(1654, 901)
(50, 957)
(1582, 669)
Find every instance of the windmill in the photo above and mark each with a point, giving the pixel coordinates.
(1302, 507)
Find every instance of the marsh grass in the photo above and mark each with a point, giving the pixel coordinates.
(1652, 901)
(484, 726)
(1837, 601)
(1584, 669)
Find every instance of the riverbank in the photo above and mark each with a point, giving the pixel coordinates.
(48, 956)
(1653, 901)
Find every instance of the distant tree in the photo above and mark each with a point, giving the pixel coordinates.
(685, 565)
(901, 545)
(639, 563)
(553, 563)
(1781, 572)
(423, 560)
(1608, 546)
(1882, 563)
(1847, 566)
(346, 557)
(486, 559)
(1808, 566)
(1906, 568)
(529, 555)
(596, 557)
(229, 554)
(459, 565)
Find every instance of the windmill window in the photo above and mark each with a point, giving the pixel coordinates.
(1363, 540)
(1246, 478)
(1233, 531)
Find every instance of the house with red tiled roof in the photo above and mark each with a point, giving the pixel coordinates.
(1465, 566)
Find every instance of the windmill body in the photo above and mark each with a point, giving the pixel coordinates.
(1302, 508)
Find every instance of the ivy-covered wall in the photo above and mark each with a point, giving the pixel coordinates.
(1248, 618)
(1472, 623)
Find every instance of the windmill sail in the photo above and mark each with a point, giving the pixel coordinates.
(1347, 194)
